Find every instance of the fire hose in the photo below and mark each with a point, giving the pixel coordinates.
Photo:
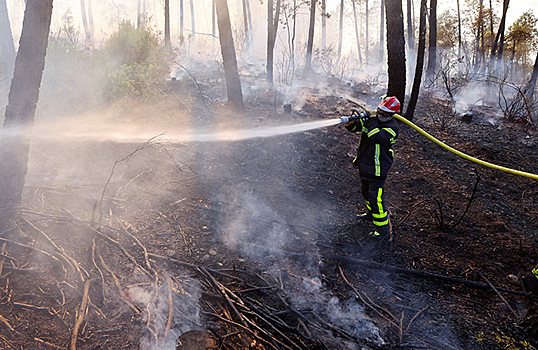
(455, 151)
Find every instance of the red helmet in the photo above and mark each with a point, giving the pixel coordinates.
(390, 105)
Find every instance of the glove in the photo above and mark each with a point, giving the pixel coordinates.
(364, 116)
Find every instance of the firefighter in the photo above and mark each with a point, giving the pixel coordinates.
(375, 155)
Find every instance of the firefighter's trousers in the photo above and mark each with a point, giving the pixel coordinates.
(373, 194)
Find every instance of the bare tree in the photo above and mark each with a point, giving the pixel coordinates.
(367, 31)
(410, 30)
(7, 46)
(498, 43)
(432, 45)
(323, 25)
(382, 32)
(88, 36)
(420, 62)
(459, 29)
(167, 22)
(357, 32)
(213, 24)
(340, 29)
(310, 42)
(193, 26)
(22, 101)
(138, 13)
(531, 86)
(90, 21)
(245, 24)
(396, 49)
(182, 24)
(229, 60)
(273, 17)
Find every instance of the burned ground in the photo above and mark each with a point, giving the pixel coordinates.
(255, 243)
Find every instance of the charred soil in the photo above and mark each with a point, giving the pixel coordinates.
(255, 243)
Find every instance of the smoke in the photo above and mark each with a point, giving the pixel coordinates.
(169, 310)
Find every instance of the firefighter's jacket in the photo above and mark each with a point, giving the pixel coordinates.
(375, 153)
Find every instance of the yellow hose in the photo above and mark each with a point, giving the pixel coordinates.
(463, 155)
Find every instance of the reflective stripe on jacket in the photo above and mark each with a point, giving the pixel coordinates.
(375, 153)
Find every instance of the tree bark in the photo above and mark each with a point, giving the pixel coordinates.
(167, 22)
(310, 42)
(181, 21)
(85, 23)
(213, 24)
(499, 40)
(22, 101)
(323, 25)
(432, 47)
(7, 46)
(382, 32)
(459, 29)
(273, 17)
(245, 24)
(396, 50)
(410, 31)
(193, 26)
(90, 22)
(340, 29)
(367, 32)
(420, 62)
(229, 60)
(357, 32)
(531, 86)
(138, 13)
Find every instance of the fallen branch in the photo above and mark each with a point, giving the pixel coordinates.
(82, 311)
(6, 323)
(378, 266)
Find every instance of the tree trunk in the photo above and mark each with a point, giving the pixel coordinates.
(531, 86)
(90, 21)
(396, 50)
(357, 32)
(249, 14)
(245, 24)
(7, 46)
(432, 47)
(85, 23)
(229, 61)
(138, 13)
(499, 39)
(273, 16)
(310, 43)
(193, 27)
(420, 62)
(323, 25)
(459, 29)
(340, 30)
(22, 101)
(181, 22)
(382, 32)
(410, 31)
(167, 22)
(367, 32)
(482, 43)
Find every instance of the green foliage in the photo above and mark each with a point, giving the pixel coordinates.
(522, 36)
(139, 64)
(447, 30)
